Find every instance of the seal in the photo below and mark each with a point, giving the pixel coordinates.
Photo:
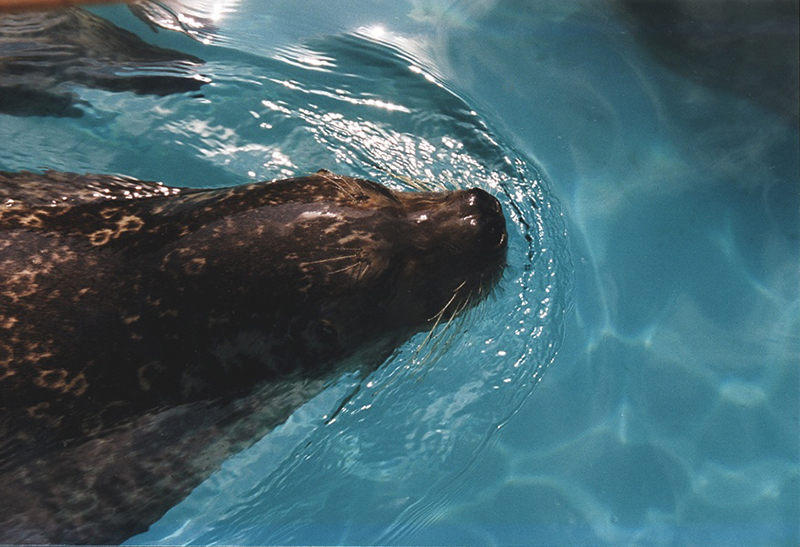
(149, 332)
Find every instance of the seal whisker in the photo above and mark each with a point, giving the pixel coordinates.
(417, 184)
(337, 182)
(438, 342)
(434, 331)
(457, 184)
(350, 267)
(343, 188)
(332, 259)
(441, 312)
(446, 328)
(364, 268)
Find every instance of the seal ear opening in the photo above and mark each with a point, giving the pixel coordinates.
(327, 333)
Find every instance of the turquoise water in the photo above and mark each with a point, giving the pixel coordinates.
(636, 378)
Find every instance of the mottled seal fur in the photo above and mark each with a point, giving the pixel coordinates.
(148, 332)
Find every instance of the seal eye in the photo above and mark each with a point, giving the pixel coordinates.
(326, 333)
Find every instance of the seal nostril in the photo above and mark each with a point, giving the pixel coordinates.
(482, 201)
(493, 231)
(485, 211)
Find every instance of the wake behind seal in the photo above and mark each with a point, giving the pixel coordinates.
(148, 332)
(46, 57)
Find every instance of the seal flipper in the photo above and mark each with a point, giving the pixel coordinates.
(57, 189)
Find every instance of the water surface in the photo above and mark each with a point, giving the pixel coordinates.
(654, 263)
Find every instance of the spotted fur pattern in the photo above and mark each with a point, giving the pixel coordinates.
(148, 332)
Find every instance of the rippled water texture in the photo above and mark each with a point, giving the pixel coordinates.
(669, 414)
(355, 103)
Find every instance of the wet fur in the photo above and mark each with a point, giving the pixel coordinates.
(148, 332)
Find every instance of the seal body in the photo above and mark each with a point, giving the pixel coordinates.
(147, 332)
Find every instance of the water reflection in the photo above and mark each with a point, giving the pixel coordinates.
(198, 19)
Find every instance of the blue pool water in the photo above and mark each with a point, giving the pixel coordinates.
(636, 378)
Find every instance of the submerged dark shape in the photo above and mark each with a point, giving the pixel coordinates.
(44, 55)
(744, 46)
(148, 332)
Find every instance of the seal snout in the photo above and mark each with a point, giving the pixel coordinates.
(483, 211)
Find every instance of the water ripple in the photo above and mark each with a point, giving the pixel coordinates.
(398, 440)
